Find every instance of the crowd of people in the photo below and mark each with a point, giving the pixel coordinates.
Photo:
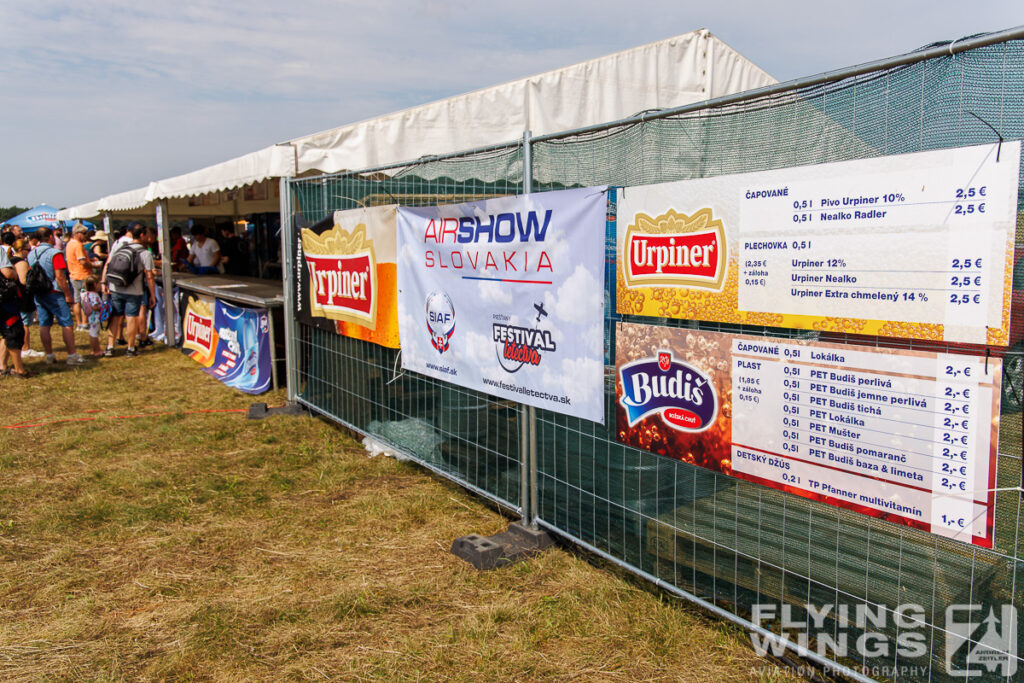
(79, 282)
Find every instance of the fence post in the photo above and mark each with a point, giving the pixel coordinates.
(287, 273)
(528, 414)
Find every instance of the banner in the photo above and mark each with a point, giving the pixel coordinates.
(908, 436)
(231, 343)
(506, 296)
(197, 323)
(347, 273)
(916, 245)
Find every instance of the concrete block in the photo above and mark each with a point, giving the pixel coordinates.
(499, 550)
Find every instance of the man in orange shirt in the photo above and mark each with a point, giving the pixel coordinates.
(79, 269)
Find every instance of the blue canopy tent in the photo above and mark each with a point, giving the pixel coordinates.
(43, 216)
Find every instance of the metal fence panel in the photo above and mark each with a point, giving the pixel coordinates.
(725, 543)
(737, 544)
(467, 436)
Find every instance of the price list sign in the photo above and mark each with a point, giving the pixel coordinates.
(915, 245)
(908, 436)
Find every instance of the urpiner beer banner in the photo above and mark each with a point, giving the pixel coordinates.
(908, 436)
(347, 273)
(506, 296)
(913, 245)
(231, 343)
(197, 323)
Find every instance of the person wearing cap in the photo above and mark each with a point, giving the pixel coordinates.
(79, 268)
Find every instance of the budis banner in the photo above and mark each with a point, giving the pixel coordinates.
(908, 436)
(506, 296)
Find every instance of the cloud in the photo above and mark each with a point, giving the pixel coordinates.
(578, 299)
(494, 293)
(104, 97)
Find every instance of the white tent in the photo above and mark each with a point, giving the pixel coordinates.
(689, 68)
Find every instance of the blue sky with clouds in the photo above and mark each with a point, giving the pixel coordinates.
(102, 97)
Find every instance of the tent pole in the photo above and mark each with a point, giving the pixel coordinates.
(288, 273)
(163, 226)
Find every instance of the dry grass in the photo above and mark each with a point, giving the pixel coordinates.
(202, 546)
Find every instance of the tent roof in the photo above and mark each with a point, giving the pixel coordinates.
(40, 215)
(689, 68)
(692, 67)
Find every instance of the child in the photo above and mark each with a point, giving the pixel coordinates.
(93, 306)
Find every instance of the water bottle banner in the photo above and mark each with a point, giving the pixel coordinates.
(230, 342)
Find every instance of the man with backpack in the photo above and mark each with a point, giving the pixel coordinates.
(48, 283)
(128, 268)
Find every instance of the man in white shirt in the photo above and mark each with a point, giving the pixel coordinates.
(204, 254)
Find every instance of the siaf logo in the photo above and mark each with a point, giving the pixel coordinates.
(682, 395)
(440, 320)
(980, 640)
(675, 250)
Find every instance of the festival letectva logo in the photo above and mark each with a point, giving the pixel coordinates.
(517, 346)
(675, 250)
(342, 275)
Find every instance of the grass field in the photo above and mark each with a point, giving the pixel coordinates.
(143, 539)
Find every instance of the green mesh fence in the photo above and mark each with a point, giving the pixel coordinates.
(460, 433)
(723, 540)
(738, 544)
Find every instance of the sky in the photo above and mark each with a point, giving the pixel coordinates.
(103, 97)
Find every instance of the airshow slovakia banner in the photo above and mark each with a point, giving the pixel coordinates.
(346, 282)
(506, 296)
(908, 436)
(915, 245)
(231, 343)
